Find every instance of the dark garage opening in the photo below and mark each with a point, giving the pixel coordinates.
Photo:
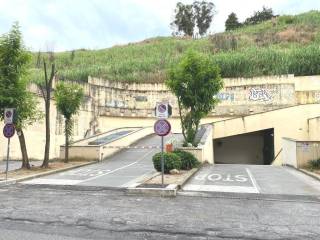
(252, 148)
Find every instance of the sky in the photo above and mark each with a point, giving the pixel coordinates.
(61, 25)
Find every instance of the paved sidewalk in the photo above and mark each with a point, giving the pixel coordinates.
(253, 179)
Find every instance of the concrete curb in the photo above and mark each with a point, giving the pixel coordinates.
(310, 174)
(193, 172)
(16, 180)
(169, 191)
(143, 179)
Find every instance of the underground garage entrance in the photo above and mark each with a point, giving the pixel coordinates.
(251, 148)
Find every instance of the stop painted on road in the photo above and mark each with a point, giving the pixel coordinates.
(216, 177)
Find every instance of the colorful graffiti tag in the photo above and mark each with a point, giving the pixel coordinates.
(259, 94)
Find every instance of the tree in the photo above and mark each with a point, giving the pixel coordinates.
(14, 60)
(187, 16)
(260, 16)
(68, 100)
(46, 89)
(184, 21)
(232, 22)
(195, 80)
(204, 12)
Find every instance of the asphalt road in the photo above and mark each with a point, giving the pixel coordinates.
(253, 179)
(121, 170)
(79, 212)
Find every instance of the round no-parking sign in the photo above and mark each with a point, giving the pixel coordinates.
(162, 127)
(8, 130)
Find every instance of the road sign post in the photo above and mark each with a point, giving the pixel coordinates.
(8, 132)
(162, 128)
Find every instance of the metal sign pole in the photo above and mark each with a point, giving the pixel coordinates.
(162, 162)
(7, 166)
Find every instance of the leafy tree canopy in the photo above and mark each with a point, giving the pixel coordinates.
(260, 16)
(14, 60)
(195, 81)
(188, 16)
(232, 22)
(68, 98)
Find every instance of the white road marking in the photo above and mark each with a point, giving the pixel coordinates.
(52, 181)
(255, 184)
(216, 188)
(84, 172)
(117, 169)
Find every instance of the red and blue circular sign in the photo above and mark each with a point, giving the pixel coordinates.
(9, 130)
(162, 127)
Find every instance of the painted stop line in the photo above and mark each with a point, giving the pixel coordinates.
(213, 179)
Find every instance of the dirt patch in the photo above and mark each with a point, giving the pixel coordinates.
(20, 173)
(295, 34)
(178, 179)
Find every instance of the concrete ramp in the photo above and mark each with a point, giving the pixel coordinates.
(299, 122)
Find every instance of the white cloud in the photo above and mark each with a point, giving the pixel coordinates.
(71, 24)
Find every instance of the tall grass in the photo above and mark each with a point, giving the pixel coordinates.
(255, 53)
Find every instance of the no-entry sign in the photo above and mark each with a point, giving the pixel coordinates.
(8, 130)
(162, 127)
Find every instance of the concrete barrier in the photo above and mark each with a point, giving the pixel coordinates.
(204, 151)
(81, 149)
(298, 153)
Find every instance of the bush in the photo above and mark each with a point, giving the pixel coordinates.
(171, 161)
(314, 164)
(187, 159)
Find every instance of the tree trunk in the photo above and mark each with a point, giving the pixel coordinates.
(66, 148)
(23, 147)
(182, 121)
(45, 163)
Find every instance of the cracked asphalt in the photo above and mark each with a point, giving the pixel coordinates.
(81, 212)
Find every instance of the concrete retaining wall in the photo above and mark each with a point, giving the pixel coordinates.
(299, 153)
(108, 105)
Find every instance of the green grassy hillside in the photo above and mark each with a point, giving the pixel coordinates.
(286, 44)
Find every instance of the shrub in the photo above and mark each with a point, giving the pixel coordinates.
(171, 161)
(286, 19)
(187, 159)
(314, 164)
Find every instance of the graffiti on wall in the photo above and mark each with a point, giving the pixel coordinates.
(223, 96)
(259, 94)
